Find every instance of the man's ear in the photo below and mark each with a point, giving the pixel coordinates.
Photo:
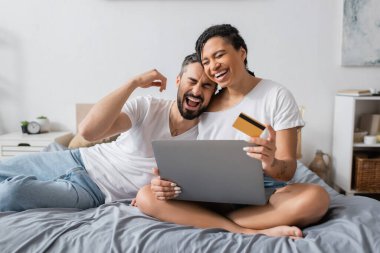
(177, 81)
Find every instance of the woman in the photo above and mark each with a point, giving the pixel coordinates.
(223, 53)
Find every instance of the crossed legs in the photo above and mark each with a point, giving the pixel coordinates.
(290, 206)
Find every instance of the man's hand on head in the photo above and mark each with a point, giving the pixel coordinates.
(151, 78)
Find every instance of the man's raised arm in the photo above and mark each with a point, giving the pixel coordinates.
(105, 117)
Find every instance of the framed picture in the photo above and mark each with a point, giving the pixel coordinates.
(361, 33)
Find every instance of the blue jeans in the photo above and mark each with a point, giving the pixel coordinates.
(47, 179)
(273, 183)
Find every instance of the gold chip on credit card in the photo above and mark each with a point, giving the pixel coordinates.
(248, 125)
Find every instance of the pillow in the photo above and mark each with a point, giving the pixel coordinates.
(79, 142)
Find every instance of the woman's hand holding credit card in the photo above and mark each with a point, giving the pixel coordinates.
(266, 148)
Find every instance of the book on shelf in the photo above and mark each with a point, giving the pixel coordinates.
(354, 92)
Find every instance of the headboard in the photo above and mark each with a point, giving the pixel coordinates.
(78, 141)
(81, 111)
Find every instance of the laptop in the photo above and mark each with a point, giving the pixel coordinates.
(211, 170)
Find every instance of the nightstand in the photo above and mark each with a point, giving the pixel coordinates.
(17, 143)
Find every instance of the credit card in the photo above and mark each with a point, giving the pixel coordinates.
(249, 126)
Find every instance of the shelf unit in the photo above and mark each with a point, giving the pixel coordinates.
(346, 118)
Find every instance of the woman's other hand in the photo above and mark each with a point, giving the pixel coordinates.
(162, 189)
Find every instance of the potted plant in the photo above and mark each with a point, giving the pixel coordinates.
(24, 125)
(44, 123)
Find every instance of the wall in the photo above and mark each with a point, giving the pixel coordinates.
(54, 54)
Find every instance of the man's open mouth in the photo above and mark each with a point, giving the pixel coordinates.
(192, 102)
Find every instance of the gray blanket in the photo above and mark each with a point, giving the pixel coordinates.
(352, 224)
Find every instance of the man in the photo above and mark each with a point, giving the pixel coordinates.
(88, 177)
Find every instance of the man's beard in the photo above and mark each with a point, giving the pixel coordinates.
(186, 114)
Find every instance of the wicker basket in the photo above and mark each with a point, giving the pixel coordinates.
(367, 174)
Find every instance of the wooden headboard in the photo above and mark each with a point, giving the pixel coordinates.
(81, 111)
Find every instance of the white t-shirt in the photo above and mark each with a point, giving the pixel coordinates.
(268, 102)
(122, 167)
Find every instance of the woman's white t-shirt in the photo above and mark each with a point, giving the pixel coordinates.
(268, 102)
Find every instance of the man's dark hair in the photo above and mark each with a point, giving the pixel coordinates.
(227, 32)
(191, 58)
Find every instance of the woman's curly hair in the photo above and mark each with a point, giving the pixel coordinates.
(226, 31)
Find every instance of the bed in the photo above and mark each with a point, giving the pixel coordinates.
(352, 224)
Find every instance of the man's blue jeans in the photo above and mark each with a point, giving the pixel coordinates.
(47, 179)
